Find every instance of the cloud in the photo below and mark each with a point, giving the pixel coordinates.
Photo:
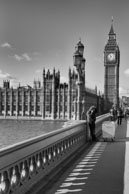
(18, 58)
(24, 56)
(5, 75)
(126, 72)
(123, 91)
(5, 45)
(63, 79)
(39, 71)
(14, 82)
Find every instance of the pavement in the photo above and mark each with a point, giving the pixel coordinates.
(100, 169)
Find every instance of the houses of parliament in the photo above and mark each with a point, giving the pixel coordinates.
(51, 99)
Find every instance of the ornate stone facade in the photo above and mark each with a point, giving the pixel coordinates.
(51, 99)
(111, 63)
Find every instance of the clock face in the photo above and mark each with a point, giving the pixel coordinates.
(111, 57)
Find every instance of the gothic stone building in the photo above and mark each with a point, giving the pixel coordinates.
(51, 99)
(111, 63)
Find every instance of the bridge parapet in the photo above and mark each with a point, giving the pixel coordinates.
(24, 164)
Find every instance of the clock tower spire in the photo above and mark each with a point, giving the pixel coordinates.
(111, 64)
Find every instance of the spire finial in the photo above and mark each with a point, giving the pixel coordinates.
(112, 19)
(80, 39)
(111, 29)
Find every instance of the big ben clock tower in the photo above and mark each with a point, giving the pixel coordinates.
(111, 64)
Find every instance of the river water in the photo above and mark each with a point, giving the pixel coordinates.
(14, 131)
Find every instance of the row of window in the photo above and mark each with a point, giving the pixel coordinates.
(19, 108)
(48, 98)
(20, 99)
(38, 108)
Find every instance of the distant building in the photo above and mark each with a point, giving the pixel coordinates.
(125, 102)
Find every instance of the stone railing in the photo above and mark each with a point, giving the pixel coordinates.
(24, 164)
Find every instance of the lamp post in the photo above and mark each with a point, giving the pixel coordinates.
(115, 99)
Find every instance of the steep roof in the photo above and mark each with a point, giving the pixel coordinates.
(111, 30)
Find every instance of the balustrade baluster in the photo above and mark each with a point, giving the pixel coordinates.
(4, 183)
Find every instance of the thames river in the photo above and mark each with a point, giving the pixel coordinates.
(14, 131)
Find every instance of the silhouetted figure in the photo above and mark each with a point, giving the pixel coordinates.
(112, 114)
(119, 116)
(125, 113)
(91, 118)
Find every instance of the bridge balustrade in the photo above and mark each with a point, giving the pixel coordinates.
(24, 164)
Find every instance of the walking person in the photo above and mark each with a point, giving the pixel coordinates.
(115, 113)
(112, 114)
(119, 116)
(125, 114)
(91, 118)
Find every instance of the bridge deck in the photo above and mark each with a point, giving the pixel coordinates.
(99, 170)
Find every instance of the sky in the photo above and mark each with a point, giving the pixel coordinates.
(37, 34)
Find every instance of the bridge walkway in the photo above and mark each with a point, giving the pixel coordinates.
(99, 170)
